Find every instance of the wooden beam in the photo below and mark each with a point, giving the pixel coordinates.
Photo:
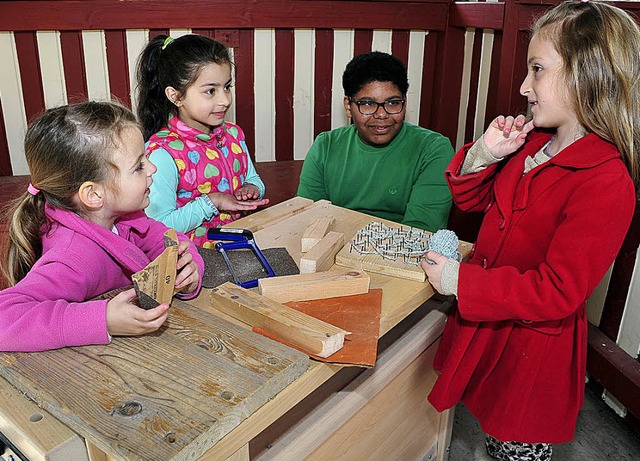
(616, 370)
(481, 15)
(36, 433)
(116, 14)
(322, 256)
(307, 333)
(316, 232)
(319, 285)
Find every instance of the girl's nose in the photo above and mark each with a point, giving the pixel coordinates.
(525, 87)
(152, 168)
(224, 98)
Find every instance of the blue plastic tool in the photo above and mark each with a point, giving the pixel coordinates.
(238, 239)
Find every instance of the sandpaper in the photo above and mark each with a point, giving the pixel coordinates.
(245, 264)
(359, 314)
(155, 284)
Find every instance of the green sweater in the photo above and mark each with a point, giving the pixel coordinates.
(402, 181)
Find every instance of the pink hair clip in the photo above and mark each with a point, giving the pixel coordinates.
(33, 190)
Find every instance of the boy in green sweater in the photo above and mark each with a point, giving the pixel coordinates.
(380, 165)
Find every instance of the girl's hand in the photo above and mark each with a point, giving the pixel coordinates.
(247, 192)
(126, 319)
(505, 135)
(188, 278)
(434, 271)
(230, 203)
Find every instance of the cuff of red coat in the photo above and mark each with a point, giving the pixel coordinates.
(478, 158)
(449, 277)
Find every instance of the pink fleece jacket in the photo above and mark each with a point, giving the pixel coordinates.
(48, 309)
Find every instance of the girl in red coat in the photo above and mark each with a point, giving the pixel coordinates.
(558, 197)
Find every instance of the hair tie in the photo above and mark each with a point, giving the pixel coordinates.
(166, 42)
(33, 190)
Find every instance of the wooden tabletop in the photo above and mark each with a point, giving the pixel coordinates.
(281, 225)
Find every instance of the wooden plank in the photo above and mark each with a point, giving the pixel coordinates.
(477, 15)
(319, 285)
(116, 14)
(305, 332)
(322, 256)
(370, 260)
(316, 232)
(273, 214)
(36, 433)
(370, 400)
(172, 394)
(616, 370)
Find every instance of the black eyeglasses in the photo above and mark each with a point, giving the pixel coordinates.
(369, 107)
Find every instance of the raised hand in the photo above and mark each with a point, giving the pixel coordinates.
(505, 135)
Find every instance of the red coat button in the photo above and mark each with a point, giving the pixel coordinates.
(485, 263)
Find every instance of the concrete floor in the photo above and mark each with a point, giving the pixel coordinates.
(600, 435)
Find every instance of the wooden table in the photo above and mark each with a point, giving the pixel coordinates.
(329, 412)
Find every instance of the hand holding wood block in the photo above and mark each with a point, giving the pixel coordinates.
(315, 232)
(307, 333)
(319, 285)
(155, 284)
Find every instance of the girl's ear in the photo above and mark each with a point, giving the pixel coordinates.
(91, 195)
(173, 95)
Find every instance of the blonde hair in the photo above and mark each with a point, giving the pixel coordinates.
(600, 47)
(65, 147)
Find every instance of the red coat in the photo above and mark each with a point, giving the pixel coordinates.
(514, 350)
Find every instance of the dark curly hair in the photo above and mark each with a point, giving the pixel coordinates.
(375, 66)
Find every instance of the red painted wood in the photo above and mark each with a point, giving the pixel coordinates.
(621, 279)
(116, 14)
(362, 40)
(616, 370)
(30, 75)
(449, 84)
(429, 71)
(323, 80)
(75, 77)
(284, 93)
(493, 89)
(245, 100)
(5, 159)
(205, 32)
(513, 59)
(154, 32)
(400, 45)
(479, 15)
(116, 43)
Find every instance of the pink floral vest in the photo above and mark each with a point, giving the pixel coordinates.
(214, 162)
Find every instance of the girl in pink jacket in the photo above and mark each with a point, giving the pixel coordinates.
(80, 231)
(558, 197)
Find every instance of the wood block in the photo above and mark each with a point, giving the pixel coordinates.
(36, 433)
(316, 232)
(318, 285)
(304, 331)
(322, 256)
(372, 261)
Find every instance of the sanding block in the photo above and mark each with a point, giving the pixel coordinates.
(155, 284)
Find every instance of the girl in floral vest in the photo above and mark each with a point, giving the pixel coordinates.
(205, 177)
